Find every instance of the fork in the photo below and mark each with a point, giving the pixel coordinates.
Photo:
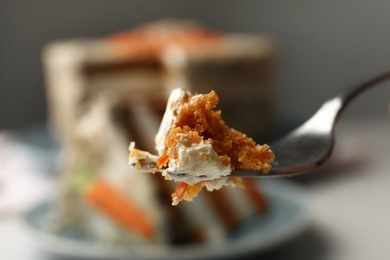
(311, 144)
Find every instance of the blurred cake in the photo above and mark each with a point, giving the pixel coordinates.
(104, 93)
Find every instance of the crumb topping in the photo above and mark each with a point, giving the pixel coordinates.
(233, 147)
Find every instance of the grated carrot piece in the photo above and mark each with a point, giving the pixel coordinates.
(186, 191)
(180, 190)
(162, 161)
(103, 196)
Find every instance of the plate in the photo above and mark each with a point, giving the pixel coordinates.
(287, 216)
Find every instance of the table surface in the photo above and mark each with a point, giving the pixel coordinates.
(348, 197)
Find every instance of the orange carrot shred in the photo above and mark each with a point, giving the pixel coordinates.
(186, 191)
(181, 189)
(106, 198)
(162, 161)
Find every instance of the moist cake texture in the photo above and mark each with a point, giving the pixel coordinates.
(197, 148)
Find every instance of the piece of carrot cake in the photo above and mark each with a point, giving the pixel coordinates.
(196, 148)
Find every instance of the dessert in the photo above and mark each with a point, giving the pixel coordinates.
(197, 148)
(105, 92)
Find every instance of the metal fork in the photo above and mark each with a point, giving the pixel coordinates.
(311, 144)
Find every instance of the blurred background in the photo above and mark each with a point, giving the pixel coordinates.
(323, 45)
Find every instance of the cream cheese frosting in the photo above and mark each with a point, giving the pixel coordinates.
(175, 100)
(195, 162)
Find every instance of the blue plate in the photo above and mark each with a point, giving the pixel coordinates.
(287, 216)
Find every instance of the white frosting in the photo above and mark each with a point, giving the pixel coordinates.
(196, 162)
(175, 100)
(141, 161)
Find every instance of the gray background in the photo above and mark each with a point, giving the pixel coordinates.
(323, 45)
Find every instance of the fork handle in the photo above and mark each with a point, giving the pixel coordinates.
(348, 94)
(329, 113)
